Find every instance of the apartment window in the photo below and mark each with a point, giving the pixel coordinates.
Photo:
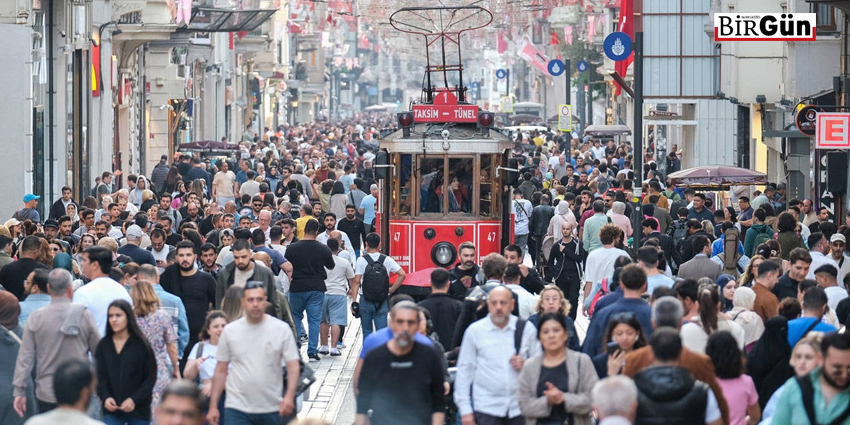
(825, 18)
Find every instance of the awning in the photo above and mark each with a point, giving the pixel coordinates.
(607, 130)
(207, 19)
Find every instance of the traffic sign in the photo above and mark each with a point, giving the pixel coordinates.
(565, 118)
(501, 73)
(507, 104)
(581, 66)
(474, 85)
(833, 131)
(617, 46)
(556, 67)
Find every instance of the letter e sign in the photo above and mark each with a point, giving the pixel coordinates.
(833, 131)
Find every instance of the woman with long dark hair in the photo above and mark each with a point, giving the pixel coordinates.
(338, 200)
(555, 386)
(126, 369)
(788, 237)
(695, 333)
(738, 388)
(170, 184)
(623, 329)
(158, 329)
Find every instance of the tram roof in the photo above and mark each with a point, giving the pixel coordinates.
(463, 138)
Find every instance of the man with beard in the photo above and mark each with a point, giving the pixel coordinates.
(65, 226)
(530, 280)
(353, 227)
(466, 273)
(489, 364)
(208, 257)
(244, 269)
(192, 213)
(823, 395)
(402, 381)
(196, 288)
(330, 226)
(167, 223)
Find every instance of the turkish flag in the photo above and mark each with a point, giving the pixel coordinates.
(553, 39)
(627, 25)
(501, 43)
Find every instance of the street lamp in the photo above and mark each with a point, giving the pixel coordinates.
(78, 23)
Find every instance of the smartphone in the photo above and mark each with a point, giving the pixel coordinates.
(613, 347)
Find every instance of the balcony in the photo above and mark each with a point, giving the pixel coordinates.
(207, 19)
(143, 20)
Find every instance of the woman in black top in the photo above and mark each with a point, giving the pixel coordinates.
(126, 369)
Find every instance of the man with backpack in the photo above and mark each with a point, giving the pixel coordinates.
(758, 233)
(728, 251)
(679, 229)
(372, 282)
(800, 403)
(29, 210)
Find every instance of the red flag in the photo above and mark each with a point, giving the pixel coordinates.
(501, 43)
(627, 26)
(553, 39)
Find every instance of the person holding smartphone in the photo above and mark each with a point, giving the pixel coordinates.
(622, 336)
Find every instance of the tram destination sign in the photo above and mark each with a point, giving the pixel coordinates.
(445, 113)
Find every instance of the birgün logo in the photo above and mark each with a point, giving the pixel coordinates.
(764, 26)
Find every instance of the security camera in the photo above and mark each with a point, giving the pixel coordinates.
(445, 134)
(62, 33)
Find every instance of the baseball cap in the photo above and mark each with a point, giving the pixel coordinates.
(837, 237)
(134, 232)
(30, 197)
(51, 223)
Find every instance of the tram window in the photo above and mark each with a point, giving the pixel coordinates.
(404, 197)
(431, 185)
(460, 185)
(486, 183)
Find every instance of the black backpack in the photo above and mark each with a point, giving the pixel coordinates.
(376, 280)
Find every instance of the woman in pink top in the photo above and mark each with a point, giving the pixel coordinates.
(738, 388)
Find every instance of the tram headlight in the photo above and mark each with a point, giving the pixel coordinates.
(443, 254)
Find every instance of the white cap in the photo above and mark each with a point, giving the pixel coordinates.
(134, 232)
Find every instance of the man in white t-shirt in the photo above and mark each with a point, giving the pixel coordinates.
(600, 262)
(374, 311)
(330, 229)
(335, 305)
(826, 276)
(159, 249)
(98, 294)
(522, 217)
(526, 301)
(251, 352)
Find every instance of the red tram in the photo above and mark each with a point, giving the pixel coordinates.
(441, 173)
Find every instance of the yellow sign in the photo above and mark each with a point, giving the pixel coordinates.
(565, 118)
(507, 104)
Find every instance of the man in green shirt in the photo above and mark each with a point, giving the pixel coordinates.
(826, 390)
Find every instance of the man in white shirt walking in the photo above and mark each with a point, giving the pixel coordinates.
(526, 300)
(819, 247)
(489, 364)
(250, 354)
(335, 305)
(102, 290)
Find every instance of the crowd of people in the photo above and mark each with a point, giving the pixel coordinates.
(186, 296)
(202, 271)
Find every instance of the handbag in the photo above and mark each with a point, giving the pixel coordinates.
(307, 378)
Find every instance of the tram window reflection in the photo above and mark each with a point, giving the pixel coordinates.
(404, 185)
(460, 185)
(431, 185)
(486, 185)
